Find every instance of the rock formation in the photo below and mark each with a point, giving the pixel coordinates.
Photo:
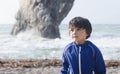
(44, 16)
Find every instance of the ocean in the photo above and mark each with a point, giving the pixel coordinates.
(30, 45)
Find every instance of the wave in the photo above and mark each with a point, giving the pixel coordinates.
(31, 45)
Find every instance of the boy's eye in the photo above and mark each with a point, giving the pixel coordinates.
(71, 29)
(78, 29)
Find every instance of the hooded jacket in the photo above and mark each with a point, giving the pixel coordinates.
(82, 59)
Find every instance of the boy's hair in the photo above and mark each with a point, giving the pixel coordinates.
(81, 22)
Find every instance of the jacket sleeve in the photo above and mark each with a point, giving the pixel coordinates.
(100, 67)
(64, 64)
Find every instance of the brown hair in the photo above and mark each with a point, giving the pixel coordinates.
(81, 22)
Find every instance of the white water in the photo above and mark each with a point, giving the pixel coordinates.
(30, 45)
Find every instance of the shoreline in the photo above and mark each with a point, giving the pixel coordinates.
(45, 66)
(34, 63)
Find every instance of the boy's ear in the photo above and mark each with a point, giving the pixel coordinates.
(87, 34)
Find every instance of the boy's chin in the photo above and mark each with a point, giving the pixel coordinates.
(74, 39)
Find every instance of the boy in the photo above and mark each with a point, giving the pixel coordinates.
(82, 56)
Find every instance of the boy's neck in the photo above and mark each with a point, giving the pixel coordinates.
(79, 43)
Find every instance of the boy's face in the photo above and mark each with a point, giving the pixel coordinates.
(78, 34)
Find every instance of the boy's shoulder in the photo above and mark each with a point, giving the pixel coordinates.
(94, 48)
(68, 46)
(91, 43)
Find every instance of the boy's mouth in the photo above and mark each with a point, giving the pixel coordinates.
(75, 36)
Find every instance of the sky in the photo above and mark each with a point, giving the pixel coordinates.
(8, 10)
(97, 11)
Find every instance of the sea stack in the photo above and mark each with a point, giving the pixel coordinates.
(43, 16)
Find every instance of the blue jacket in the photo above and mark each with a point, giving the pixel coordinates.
(82, 59)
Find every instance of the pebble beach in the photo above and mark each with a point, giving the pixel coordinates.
(44, 66)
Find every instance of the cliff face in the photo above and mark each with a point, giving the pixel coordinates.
(44, 16)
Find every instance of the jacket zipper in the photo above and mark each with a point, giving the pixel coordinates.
(79, 60)
(93, 72)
